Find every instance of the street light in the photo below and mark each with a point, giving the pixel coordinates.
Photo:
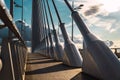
(79, 7)
(76, 8)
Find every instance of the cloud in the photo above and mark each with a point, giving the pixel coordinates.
(109, 5)
(97, 16)
(111, 21)
(99, 13)
(116, 44)
(101, 16)
(68, 25)
(93, 9)
(78, 38)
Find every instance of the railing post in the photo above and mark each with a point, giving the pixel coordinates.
(7, 72)
(13, 53)
(0, 64)
(15, 58)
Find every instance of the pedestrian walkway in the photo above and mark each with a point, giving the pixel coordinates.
(43, 68)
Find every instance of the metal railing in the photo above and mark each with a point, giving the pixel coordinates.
(13, 49)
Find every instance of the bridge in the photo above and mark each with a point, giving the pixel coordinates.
(49, 60)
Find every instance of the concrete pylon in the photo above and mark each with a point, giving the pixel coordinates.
(37, 26)
(7, 72)
(98, 60)
(58, 47)
(71, 57)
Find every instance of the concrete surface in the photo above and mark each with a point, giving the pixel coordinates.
(43, 68)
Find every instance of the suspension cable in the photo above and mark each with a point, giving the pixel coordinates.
(46, 31)
(50, 15)
(44, 18)
(69, 5)
(43, 21)
(46, 15)
(57, 12)
(47, 22)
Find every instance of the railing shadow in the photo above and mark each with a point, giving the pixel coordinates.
(31, 59)
(83, 76)
(55, 68)
(35, 56)
(41, 62)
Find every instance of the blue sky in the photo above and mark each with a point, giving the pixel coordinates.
(17, 11)
(101, 16)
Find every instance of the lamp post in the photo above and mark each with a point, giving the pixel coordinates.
(76, 8)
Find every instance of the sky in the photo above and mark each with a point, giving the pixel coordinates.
(18, 11)
(102, 17)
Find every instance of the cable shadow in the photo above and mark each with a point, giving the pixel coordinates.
(55, 68)
(83, 76)
(41, 62)
(34, 58)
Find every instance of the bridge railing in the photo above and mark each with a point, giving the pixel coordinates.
(13, 53)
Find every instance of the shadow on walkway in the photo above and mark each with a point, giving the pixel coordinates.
(41, 62)
(32, 58)
(83, 76)
(55, 68)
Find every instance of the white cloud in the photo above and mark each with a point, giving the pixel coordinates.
(106, 17)
(79, 37)
(110, 5)
(68, 25)
(109, 14)
(116, 44)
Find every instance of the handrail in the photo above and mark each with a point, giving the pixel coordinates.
(8, 20)
(13, 53)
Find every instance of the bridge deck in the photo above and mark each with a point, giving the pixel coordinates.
(43, 68)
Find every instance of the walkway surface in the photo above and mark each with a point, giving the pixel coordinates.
(43, 68)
